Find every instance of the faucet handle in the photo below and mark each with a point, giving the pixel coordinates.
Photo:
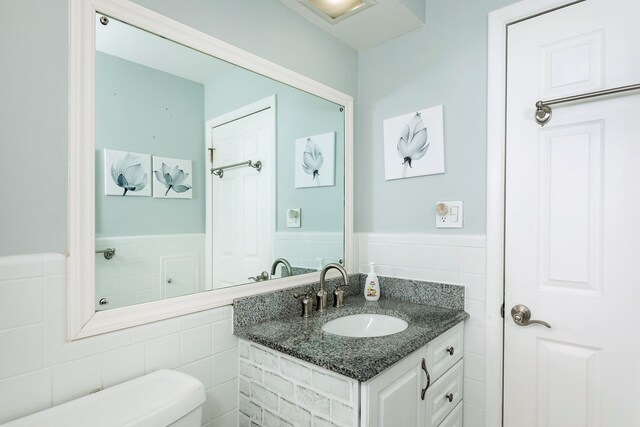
(260, 277)
(307, 302)
(341, 285)
(303, 295)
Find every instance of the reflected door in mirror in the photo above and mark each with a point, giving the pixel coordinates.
(242, 199)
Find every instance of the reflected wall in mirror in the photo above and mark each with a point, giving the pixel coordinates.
(159, 100)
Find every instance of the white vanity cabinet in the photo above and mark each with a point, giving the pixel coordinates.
(396, 398)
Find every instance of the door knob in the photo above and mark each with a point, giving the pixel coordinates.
(522, 316)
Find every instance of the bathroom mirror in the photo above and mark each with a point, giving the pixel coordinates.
(167, 117)
(194, 166)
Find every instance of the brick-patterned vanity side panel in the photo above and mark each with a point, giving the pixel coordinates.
(278, 390)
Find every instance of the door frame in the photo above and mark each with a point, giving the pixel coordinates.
(268, 104)
(498, 22)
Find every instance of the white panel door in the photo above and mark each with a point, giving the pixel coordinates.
(572, 248)
(242, 200)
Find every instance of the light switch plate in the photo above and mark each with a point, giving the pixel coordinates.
(453, 218)
(294, 217)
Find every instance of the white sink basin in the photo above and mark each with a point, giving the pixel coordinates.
(365, 325)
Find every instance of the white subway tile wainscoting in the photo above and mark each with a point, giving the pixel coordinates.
(278, 390)
(38, 368)
(452, 259)
(142, 266)
(246, 384)
(309, 250)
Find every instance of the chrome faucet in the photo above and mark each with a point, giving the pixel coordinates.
(284, 262)
(321, 295)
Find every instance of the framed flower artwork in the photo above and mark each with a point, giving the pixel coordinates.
(315, 161)
(172, 178)
(414, 144)
(126, 173)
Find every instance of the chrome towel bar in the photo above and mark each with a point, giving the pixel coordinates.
(220, 170)
(543, 108)
(108, 253)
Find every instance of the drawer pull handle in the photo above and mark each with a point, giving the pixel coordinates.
(450, 350)
(424, 368)
(449, 397)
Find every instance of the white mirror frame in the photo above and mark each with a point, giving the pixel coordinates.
(83, 320)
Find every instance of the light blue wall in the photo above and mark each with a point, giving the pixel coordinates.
(444, 62)
(148, 111)
(299, 114)
(417, 7)
(33, 124)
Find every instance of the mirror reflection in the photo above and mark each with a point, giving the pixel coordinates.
(208, 175)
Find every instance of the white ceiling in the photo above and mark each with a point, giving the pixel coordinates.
(372, 26)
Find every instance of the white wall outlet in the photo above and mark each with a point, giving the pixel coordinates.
(449, 214)
(293, 218)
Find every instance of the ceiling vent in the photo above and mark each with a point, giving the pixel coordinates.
(362, 24)
(334, 11)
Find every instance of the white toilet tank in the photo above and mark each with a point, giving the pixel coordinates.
(162, 398)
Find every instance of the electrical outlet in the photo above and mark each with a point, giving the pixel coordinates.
(449, 214)
(294, 217)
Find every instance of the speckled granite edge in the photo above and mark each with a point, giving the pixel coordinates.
(259, 308)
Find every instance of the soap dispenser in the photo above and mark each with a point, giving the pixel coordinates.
(372, 285)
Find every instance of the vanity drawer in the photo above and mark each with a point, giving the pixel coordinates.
(454, 419)
(444, 394)
(444, 351)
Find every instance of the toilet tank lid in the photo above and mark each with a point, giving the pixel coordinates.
(158, 398)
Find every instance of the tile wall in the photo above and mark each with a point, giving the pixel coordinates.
(304, 249)
(278, 390)
(138, 271)
(454, 259)
(39, 369)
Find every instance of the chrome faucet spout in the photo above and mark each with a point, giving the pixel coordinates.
(322, 293)
(284, 262)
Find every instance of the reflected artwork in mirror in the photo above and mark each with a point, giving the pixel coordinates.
(195, 172)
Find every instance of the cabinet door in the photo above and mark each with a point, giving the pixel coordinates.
(392, 398)
(444, 395)
(454, 419)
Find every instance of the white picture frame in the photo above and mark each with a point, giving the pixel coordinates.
(127, 173)
(315, 161)
(414, 144)
(172, 178)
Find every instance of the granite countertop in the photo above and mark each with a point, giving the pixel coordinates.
(358, 358)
